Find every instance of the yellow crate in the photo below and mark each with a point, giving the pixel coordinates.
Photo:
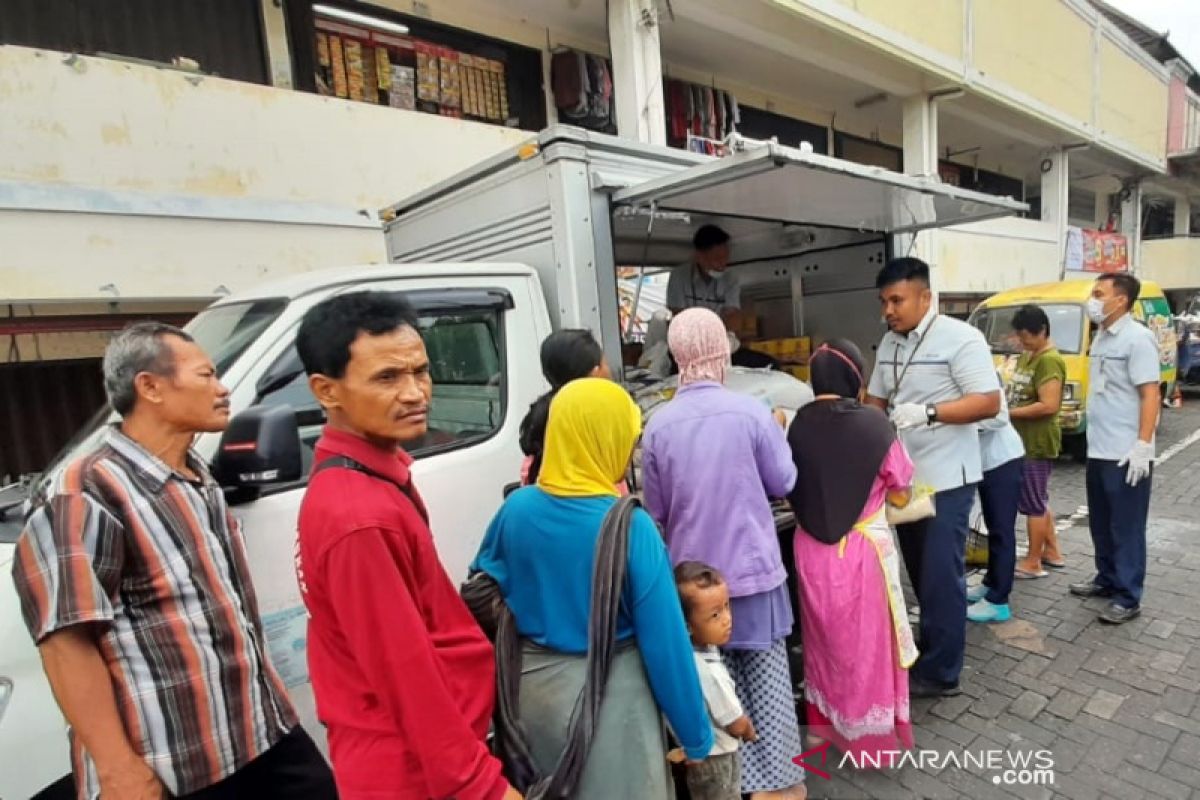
(768, 346)
(800, 346)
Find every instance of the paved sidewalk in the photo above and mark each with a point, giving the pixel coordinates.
(1115, 707)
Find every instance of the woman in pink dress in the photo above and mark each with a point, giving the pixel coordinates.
(857, 641)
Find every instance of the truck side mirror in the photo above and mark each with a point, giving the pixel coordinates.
(260, 447)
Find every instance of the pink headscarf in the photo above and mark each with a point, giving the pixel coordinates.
(700, 345)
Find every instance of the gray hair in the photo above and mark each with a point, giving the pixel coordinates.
(141, 347)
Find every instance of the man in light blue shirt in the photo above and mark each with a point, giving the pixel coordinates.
(934, 376)
(1002, 458)
(1122, 412)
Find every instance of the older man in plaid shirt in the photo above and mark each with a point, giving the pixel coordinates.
(133, 582)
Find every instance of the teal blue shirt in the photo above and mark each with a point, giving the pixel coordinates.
(540, 549)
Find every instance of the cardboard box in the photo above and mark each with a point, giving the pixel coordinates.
(744, 325)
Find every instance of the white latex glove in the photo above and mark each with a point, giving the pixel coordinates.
(1139, 459)
(909, 415)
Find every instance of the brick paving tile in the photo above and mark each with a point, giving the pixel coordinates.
(1185, 773)
(1150, 781)
(1149, 753)
(1067, 704)
(1175, 721)
(1104, 704)
(1187, 749)
(1028, 705)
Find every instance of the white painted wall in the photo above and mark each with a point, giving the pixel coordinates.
(1173, 263)
(988, 257)
(168, 185)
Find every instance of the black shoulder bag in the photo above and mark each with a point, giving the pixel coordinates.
(482, 595)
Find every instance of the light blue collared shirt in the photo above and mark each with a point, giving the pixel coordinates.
(951, 360)
(999, 442)
(1123, 357)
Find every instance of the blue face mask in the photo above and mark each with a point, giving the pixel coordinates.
(1095, 310)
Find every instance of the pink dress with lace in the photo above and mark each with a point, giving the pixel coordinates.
(857, 643)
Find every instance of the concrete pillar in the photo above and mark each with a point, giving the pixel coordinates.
(1183, 216)
(1131, 223)
(1056, 187)
(279, 53)
(920, 136)
(633, 36)
(920, 158)
(1056, 192)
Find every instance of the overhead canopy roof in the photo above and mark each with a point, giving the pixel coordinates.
(782, 184)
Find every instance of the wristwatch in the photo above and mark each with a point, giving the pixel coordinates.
(930, 414)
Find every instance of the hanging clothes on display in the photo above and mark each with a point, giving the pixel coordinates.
(569, 83)
(699, 117)
(583, 90)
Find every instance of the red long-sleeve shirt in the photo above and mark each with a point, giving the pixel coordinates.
(404, 679)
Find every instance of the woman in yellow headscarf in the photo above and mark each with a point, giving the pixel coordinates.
(540, 549)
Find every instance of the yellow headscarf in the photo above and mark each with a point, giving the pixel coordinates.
(592, 430)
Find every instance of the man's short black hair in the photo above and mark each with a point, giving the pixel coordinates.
(903, 269)
(1031, 319)
(708, 237)
(331, 326)
(1126, 284)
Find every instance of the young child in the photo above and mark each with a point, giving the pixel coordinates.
(705, 600)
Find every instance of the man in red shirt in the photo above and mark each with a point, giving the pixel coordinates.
(404, 679)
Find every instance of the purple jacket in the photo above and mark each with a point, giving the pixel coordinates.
(710, 460)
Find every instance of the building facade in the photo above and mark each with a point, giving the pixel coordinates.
(157, 156)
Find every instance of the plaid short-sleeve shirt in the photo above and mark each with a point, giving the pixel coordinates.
(156, 562)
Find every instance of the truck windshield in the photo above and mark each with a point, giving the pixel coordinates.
(224, 331)
(1066, 327)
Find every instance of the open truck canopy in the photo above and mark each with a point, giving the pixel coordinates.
(779, 184)
(810, 231)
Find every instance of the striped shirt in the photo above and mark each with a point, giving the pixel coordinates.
(157, 563)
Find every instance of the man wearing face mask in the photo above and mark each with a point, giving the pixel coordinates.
(704, 281)
(1122, 412)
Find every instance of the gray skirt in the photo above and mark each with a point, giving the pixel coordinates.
(627, 758)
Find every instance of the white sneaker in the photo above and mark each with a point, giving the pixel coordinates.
(976, 593)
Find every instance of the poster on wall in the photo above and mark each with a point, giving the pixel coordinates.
(1096, 251)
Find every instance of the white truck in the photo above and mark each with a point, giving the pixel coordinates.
(494, 260)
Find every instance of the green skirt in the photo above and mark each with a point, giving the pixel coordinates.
(628, 757)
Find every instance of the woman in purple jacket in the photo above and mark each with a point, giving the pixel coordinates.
(711, 460)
